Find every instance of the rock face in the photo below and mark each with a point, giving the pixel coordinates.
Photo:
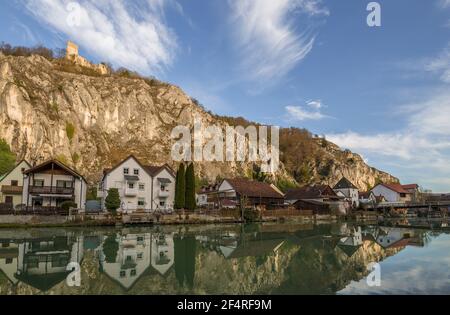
(91, 122)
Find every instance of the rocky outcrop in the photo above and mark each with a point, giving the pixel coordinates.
(91, 122)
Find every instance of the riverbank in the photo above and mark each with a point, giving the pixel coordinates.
(84, 220)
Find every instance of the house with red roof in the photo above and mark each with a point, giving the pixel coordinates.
(394, 192)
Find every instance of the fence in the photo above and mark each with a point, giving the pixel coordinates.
(44, 211)
(287, 213)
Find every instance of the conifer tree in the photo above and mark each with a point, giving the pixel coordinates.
(180, 188)
(190, 188)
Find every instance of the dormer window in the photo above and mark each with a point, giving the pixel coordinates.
(126, 171)
(136, 171)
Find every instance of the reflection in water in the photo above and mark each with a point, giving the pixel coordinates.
(255, 259)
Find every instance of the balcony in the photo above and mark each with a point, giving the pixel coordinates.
(12, 190)
(131, 192)
(51, 190)
(163, 193)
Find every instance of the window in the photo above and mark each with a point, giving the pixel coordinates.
(162, 203)
(14, 183)
(5, 245)
(38, 183)
(9, 261)
(126, 170)
(163, 187)
(140, 256)
(140, 239)
(141, 187)
(133, 273)
(123, 273)
(141, 202)
(131, 185)
(63, 184)
(136, 171)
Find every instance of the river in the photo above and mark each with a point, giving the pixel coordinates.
(328, 258)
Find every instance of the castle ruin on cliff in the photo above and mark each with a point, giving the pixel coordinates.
(73, 56)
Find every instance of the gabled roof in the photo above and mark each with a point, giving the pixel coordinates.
(396, 187)
(365, 194)
(39, 167)
(150, 169)
(249, 188)
(344, 183)
(11, 170)
(410, 186)
(310, 192)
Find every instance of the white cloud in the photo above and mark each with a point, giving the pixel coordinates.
(421, 148)
(444, 3)
(128, 34)
(316, 104)
(440, 65)
(299, 113)
(270, 46)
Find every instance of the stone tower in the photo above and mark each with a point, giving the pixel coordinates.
(71, 50)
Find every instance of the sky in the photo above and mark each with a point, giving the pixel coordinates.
(382, 92)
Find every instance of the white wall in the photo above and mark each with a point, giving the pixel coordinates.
(389, 195)
(116, 179)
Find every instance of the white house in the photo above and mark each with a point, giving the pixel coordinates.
(11, 184)
(349, 190)
(141, 187)
(367, 197)
(392, 193)
(52, 183)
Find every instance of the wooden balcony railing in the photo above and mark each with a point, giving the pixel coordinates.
(51, 190)
(8, 189)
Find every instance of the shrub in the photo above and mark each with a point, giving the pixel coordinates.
(112, 201)
(7, 158)
(250, 215)
(70, 131)
(66, 205)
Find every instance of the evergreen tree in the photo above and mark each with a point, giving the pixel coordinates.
(190, 187)
(180, 188)
(112, 201)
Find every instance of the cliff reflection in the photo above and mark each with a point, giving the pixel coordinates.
(264, 259)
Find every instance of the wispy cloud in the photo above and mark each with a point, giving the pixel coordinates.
(129, 34)
(311, 111)
(270, 46)
(422, 147)
(440, 64)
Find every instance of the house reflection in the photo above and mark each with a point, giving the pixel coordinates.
(9, 257)
(41, 262)
(163, 252)
(125, 258)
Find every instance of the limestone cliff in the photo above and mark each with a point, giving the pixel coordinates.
(91, 122)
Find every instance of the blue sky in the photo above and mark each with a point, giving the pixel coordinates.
(383, 92)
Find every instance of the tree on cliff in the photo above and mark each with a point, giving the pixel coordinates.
(7, 158)
(190, 188)
(112, 201)
(180, 188)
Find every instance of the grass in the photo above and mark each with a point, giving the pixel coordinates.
(70, 131)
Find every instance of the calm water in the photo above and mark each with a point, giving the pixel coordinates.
(231, 259)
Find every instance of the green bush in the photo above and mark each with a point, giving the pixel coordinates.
(66, 205)
(7, 158)
(70, 131)
(112, 201)
(250, 215)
